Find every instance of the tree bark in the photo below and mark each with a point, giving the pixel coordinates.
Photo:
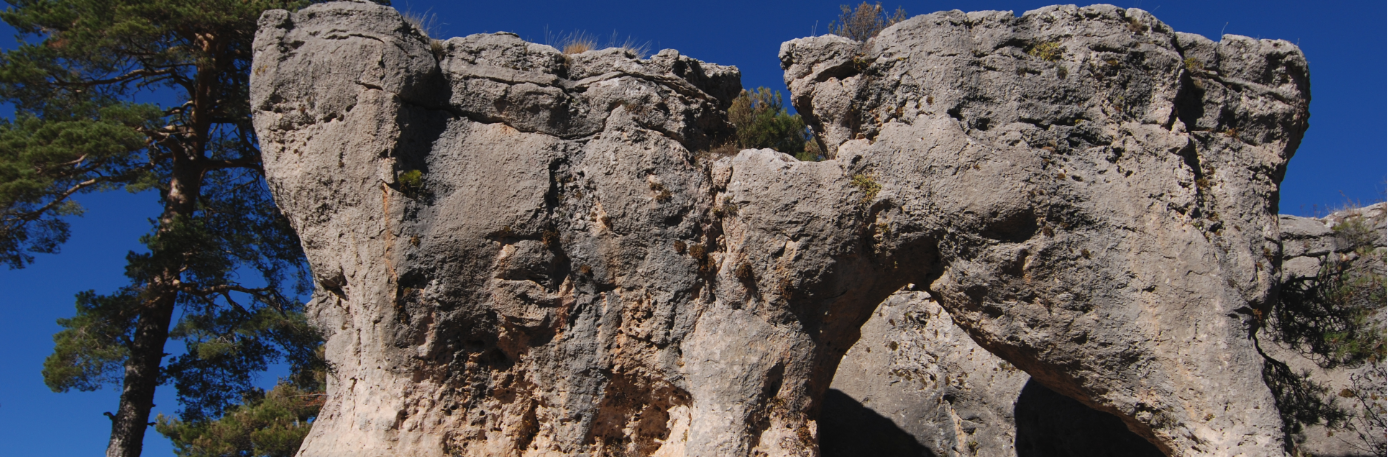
(152, 327)
(161, 293)
(141, 378)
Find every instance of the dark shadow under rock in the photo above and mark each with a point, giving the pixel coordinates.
(1053, 425)
(847, 428)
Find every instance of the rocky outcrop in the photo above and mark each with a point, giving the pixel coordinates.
(924, 375)
(914, 366)
(1103, 187)
(1325, 338)
(523, 252)
(930, 382)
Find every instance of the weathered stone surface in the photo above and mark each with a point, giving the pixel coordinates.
(519, 251)
(1305, 237)
(525, 294)
(910, 344)
(1103, 212)
(915, 367)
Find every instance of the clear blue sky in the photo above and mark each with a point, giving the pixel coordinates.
(1342, 158)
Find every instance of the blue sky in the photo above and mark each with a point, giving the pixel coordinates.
(1342, 158)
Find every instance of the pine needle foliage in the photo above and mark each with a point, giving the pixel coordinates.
(865, 21)
(1335, 319)
(1330, 316)
(265, 424)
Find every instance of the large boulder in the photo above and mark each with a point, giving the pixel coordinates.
(937, 389)
(520, 251)
(913, 366)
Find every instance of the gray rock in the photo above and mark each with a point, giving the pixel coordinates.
(1301, 267)
(915, 367)
(1305, 236)
(923, 344)
(927, 380)
(1097, 221)
(520, 251)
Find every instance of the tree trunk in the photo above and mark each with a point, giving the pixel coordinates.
(161, 294)
(141, 377)
(152, 327)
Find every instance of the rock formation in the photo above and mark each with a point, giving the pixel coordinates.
(1325, 337)
(945, 395)
(915, 367)
(524, 252)
(924, 374)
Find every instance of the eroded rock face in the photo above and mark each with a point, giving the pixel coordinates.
(520, 252)
(1100, 191)
(915, 367)
(931, 384)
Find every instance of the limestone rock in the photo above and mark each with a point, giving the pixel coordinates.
(522, 252)
(915, 367)
(931, 383)
(1099, 190)
(522, 291)
(982, 408)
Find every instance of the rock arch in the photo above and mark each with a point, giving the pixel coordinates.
(567, 272)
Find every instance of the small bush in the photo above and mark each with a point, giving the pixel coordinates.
(697, 252)
(1335, 319)
(729, 207)
(425, 23)
(1135, 25)
(662, 194)
(701, 257)
(437, 48)
(1193, 64)
(411, 181)
(812, 152)
(744, 273)
(578, 42)
(868, 185)
(1049, 51)
(865, 21)
(761, 122)
(579, 46)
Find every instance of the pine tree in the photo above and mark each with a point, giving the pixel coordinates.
(271, 424)
(220, 255)
(265, 424)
